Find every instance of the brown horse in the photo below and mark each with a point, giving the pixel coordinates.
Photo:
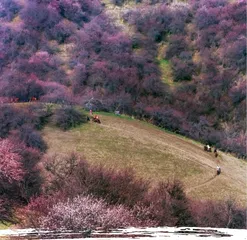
(33, 99)
(96, 119)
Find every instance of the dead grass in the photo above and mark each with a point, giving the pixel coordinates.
(154, 154)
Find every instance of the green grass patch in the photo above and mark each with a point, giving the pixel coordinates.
(110, 114)
(166, 72)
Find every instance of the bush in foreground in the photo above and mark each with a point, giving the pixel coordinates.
(19, 177)
(100, 197)
(85, 212)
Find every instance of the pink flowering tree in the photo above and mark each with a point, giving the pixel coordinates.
(85, 212)
(11, 172)
(10, 164)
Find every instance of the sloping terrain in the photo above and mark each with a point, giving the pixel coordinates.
(186, 73)
(154, 154)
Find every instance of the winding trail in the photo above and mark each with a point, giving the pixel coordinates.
(188, 190)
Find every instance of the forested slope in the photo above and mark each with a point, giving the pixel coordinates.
(181, 65)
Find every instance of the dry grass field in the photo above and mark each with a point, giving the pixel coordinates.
(154, 154)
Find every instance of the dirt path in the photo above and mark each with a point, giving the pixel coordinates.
(188, 190)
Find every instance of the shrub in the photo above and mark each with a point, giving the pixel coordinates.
(11, 173)
(218, 214)
(6, 211)
(68, 117)
(38, 16)
(57, 93)
(79, 11)
(38, 207)
(24, 90)
(176, 46)
(169, 205)
(169, 119)
(116, 187)
(182, 70)
(11, 168)
(85, 212)
(19, 176)
(30, 137)
(206, 17)
(61, 31)
(236, 55)
(40, 114)
(8, 9)
(10, 119)
(30, 184)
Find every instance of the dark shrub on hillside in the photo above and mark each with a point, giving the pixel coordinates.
(57, 93)
(176, 47)
(11, 118)
(22, 88)
(94, 104)
(8, 9)
(210, 37)
(38, 16)
(61, 31)
(117, 187)
(177, 25)
(206, 17)
(166, 119)
(168, 205)
(40, 113)
(238, 218)
(179, 204)
(68, 117)
(225, 214)
(238, 91)
(236, 55)
(182, 70)
(119, 102)
(118, 2)
(79, 11)
(30, 137)
(6, 211)
(32, 182)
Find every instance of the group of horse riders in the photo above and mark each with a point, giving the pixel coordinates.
(207, 148)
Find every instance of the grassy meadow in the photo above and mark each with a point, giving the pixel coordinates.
(154, 154)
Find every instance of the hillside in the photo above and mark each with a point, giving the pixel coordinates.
(178, 68)
(186, 74)
(154, 154)
(60, 170)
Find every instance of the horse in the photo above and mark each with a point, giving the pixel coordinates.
(207, 148)
(218, 170)
(96, 119)
(33, 99)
